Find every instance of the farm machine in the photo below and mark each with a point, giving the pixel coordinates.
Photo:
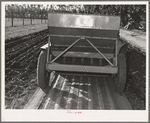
(83, 36)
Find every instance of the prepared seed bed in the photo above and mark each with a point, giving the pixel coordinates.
(20, 69)
(21, 64)
(14, 32)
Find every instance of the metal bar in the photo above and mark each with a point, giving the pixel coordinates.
(80, 68)
(112, 105)
(62, 53)
(83, 37)
(99, 52)
(48, 49)
(83, 54)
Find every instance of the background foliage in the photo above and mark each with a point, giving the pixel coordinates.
(134, 15)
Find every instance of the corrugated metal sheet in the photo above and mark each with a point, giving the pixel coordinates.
(84, 21)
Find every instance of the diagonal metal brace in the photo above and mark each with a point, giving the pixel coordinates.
(68, 48)
(99, 52)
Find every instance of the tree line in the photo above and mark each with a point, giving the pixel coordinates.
(131, 15)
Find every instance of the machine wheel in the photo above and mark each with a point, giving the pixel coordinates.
(123, 49)
(121, 77)
(42, 74)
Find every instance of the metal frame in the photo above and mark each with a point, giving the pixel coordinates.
(50, 65)
(82, 37)
(76, 41)
(85, 69)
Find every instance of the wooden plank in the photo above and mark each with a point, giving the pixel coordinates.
(103, 91)
(36, 99)
(90, 105)
(80, 79)
(73, 94)
(122, 101)
(101, 103)
(94, 93)
(80, 68)
(73, 97)
(70, 95)
(110, 91)
(112, 105)
(53, 94)
(64, 94)
(45, 100)
(62, 99)
(83, 93)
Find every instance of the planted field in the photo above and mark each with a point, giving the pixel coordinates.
(14, 33)
(20, 65)
(21, 56)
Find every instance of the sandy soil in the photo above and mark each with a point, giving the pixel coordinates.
(135, 37)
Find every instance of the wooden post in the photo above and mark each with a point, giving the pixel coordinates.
(12, 18)
(23, 18)
(41, 18)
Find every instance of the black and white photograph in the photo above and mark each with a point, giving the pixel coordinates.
(75, 61)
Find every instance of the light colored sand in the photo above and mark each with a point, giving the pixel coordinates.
(134, 38)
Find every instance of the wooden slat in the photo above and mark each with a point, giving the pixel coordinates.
(73, 98)
(109, 94)
(121, 99)
(62, 99)
(94, 92)
(44, 101)
(104, 93)
(110, 90)
(73, 94)
(80, 68)
(101, 103)
(83, 93)
(79, 79)
(36, 99)
(89, 93)
(52, 96)
(70, 80)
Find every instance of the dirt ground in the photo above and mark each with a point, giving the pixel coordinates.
(19, 31)
(21, 83)
(136, 79)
